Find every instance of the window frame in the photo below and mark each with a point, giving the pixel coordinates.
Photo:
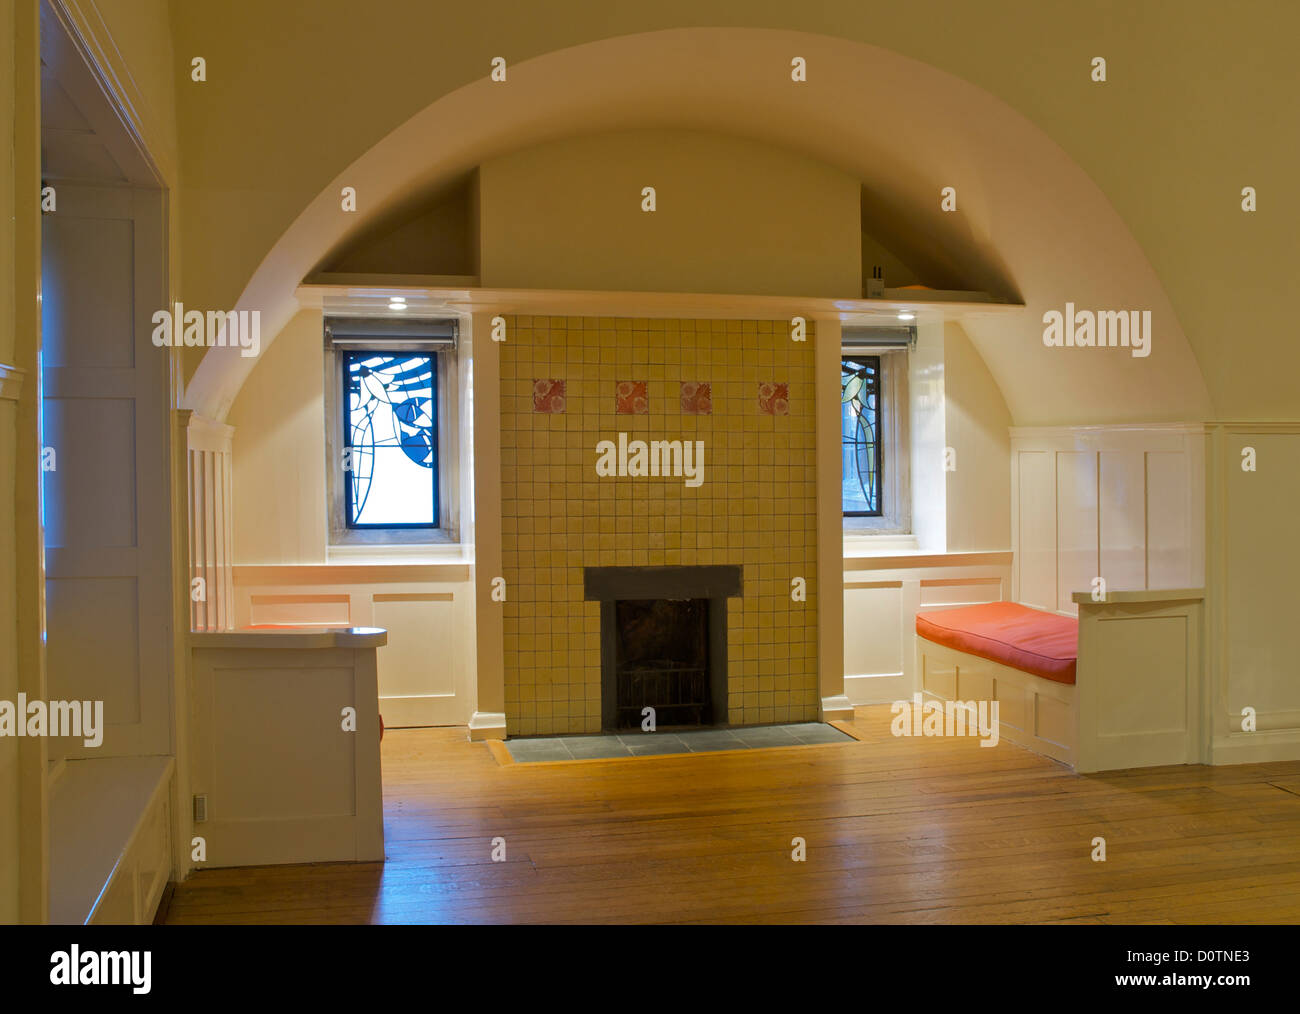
(400, 336)
(895, 516)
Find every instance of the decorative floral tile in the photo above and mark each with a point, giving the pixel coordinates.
(697, 397)
(631, 398)
(548, 396)
(773, 398)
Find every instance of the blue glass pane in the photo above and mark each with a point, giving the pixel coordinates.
(860, 430)
(391, 472)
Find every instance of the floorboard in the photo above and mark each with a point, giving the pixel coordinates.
(898, 830)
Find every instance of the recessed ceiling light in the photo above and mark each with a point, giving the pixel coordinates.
(907, 316)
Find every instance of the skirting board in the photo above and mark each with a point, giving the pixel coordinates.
(877, 688)
(1256, 747)
(836, 709)
(487, 725)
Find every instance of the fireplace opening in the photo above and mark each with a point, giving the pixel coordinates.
(663, 643)
(661, 661)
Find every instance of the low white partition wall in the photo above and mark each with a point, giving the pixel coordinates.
(285, 757)
(882, 595)
(427, 670)
(1139, 680)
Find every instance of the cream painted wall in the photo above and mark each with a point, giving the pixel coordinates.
(927, 437)
(1021, 193)
(282, 123)
(732, 216)
(137, 35)
(283, 573)
(977, 424)
(279, 451)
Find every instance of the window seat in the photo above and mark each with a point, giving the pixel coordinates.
(110, 840)
(1022, 658)
(1136, 656)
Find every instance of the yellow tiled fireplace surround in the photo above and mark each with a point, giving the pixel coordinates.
(563, 381)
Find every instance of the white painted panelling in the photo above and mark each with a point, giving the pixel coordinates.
(1126, 503)
(1253, 566)
(882, 595)
(426, 670)
(1122, 519)
(279, 710)
(1169, 521)
(301, 610)
(90, 621)
(1035, 527)
(1139, 682)
(962, 591)
(108, 527)
(871, 636)
(419, 665)
(285, 781)
(210, 471)
(1076, 526)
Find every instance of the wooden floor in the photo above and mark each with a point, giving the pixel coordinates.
(897, 830)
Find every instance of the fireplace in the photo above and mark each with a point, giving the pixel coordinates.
(663, 636)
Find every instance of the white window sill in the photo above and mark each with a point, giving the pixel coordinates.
(864, 542)
(432, 552)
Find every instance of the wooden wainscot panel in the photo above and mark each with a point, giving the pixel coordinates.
(1009, 692)
(938, 678)
(289, 778)
(1054, 720)
(1140, 679)
(975, 682)
(301, 610)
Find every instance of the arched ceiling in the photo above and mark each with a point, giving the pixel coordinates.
(1029, 220)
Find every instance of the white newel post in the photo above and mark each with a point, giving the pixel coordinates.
(209, 456)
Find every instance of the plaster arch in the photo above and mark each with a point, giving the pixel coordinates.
(1028, 216)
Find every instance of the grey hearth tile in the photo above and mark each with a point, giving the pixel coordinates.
(538, 750)
(765, 735)
(708, 736)
(683, 741)
(713, 745)
(653, 745)
(632, 739)
(597, 748)
(821, 734)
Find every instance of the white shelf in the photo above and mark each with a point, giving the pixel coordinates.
(362, 294)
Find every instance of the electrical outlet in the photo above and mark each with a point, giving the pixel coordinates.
(200, 809)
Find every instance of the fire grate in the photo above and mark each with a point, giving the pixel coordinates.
(679, 694)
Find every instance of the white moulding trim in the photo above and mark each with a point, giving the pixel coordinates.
(487, 725)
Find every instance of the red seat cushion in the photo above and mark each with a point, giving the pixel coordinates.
(1027, 639)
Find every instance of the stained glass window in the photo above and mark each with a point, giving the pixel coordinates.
(860, 429)
(390, 460)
